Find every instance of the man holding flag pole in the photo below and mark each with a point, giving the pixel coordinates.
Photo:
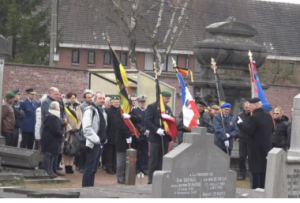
(162, 128)
(224, 124)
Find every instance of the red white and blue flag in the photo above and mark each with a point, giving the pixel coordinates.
(189, 108)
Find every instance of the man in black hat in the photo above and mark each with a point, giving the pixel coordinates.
(142, 152)
(29, 106)
(259, 128)
(19, 114)
(152, 122)
(203, 120)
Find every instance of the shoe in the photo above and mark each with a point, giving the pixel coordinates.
(110, 172)
(241, 178)
(58, 173)
(145, 172)
(59, 168)
(121, 181)
(149, 183)
(69, 169)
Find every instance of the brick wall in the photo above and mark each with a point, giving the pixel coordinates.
(43, 77)
(282, 96)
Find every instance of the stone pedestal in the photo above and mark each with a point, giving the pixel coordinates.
(2, 140)
(17, 157)
(294, 151)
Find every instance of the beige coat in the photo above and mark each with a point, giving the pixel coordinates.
(72, 125)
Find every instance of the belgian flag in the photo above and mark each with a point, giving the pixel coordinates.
(182, 71)
(123, 90)
(167, 122)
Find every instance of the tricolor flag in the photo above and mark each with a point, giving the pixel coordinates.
(123, 90)
(168, 122)
(256, 88)
(189, 108)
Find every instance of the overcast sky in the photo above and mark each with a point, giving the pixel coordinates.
(286, 1)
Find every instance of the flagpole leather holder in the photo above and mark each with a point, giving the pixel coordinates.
(130, 170)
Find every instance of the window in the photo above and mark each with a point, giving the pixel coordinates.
(75, 56)
(107, 60)
(123, 59)
(91, 57)
(149, 59)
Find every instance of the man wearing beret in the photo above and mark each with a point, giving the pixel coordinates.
(29, 106)
(8, 119)
(19, 114)
(111, 132)
(203, 120)
(157, 133)
(224, 137)
(142, 151)
(259, 128)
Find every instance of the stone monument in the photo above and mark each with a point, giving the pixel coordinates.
(197, 168)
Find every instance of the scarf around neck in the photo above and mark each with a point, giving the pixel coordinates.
(55, 113)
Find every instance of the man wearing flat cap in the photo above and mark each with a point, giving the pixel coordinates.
(224, 137)
(259, 129)
(142, 151)
(8, 119)
(29, 106)
(203, 120)
(111, 133)
(153, 116)
(19, 114)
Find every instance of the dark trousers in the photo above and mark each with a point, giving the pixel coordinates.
(27, 140)
(103, 156)
(142, 156)
(258, 180)
(110, 161)
(9, 138)
(16, 137)
(229, 151)
(91, 165)
(156, 158)
(243, 153)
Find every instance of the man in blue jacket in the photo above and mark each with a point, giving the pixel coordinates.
(29, 106)
(224, 138)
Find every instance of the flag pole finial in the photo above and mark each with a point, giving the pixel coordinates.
(155, 70)
(213, 65)
(174, 62)
(250, 55)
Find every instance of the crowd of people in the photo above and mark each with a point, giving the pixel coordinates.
(51, 124)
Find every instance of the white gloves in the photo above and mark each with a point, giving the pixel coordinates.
(198, 122)
(226, 143)
(129, 140)
(126, 116)
(239, 120)
(165, 115)
(228, 136)
(161, 132)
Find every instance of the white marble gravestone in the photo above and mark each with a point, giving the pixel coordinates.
(197, 168)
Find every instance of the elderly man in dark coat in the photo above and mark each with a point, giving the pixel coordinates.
(259, 130)
(111, 131)
(52, 132)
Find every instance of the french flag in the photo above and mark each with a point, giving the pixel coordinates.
(189, 109)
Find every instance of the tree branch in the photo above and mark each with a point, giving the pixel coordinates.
(158, 23)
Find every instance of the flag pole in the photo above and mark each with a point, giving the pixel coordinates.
(214, 67)
(160, 122)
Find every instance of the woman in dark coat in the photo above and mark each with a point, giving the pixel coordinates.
(52, 134)
(259, 129)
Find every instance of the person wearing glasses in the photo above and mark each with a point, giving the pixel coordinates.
(279, 138)
(259, 128)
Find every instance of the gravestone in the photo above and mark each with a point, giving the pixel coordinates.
(18, 157)
(197, 168)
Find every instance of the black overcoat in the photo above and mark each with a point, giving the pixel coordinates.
(52, 134)
(111, 129)
(259, 130)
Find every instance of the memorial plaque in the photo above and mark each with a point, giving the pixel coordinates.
(197, 168)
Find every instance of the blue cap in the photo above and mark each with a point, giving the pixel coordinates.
(267, 107)
(228, 105)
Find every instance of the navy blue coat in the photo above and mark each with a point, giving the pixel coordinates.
(29, 108)
(230, 128)
(152, 123)
(141, 126)
(19, 114)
